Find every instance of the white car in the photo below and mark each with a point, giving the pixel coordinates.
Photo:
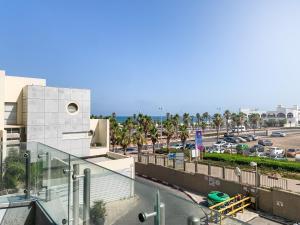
(241, 139)
(230, 145)
(218, 150)
(275, 151)
(219, 144)
(278, 134)
(239, 129)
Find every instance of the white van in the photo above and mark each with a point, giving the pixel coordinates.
(239, 129)
(275, 151)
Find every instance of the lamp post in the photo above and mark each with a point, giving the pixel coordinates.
(161, 128)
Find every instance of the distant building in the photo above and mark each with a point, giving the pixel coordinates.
(291, 115)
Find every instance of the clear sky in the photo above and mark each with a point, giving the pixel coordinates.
(137, 55)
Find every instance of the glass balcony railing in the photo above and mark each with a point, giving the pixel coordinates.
(74, 191)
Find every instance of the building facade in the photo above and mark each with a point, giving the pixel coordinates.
(58, 117)
(290, 115)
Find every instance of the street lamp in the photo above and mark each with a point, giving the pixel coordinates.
(161, 129)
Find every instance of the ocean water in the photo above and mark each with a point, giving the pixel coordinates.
(122, 119)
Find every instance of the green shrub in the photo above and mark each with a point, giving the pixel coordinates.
(261, 162)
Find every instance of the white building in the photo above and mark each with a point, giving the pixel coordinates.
(291, 115)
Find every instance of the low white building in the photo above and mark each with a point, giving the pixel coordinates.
(290, 114)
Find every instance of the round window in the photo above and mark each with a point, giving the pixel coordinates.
(72, 108)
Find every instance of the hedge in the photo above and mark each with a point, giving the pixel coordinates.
(261, 162)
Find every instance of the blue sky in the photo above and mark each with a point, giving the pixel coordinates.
(137, 55)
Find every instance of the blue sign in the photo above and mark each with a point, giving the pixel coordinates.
(171, 156)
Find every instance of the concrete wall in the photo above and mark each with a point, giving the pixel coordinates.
(48, 121)
(277, 202)
(101, 132)
(13, 91)
(2, 98)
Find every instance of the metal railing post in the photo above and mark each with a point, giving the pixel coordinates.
(148, 158)
(192, 220)
(86, 196)
(48, 190)
(155, 159)
(224, 172)
(184, 165)
(196, 167)
(27, 174)
(75, 194)
(209, 169)
(164, 161)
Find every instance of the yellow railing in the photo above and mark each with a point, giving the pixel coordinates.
(235, 204)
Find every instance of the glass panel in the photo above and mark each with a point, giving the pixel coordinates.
(52, 177)
(12, 173)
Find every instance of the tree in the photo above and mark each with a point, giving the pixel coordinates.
(206, 117)
(186, 119)
(169, 131)
(139, 139)
(124, 139)
(254, 119)
(184, 134)
(203, 126)
(114, 131)
(227, 116)
(198, 117)
(217, 121)
(145, 122)
(153, 132)
(176, 121)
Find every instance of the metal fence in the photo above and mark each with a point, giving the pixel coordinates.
(246, 177)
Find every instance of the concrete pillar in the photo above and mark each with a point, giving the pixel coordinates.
(224, 172)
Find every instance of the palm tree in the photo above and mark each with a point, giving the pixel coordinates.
(124, 139)
(154, 136)
(169, 131)
(203, 126)
(227, 116)
(198, 117)
(176, 122)
(206, 117)
(217, 121)
(145, 122)
(254, 119)
(139, 139)
(186, 119)
(114, 132)
(184, 134)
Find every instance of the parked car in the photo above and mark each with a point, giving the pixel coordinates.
(254, 137)
(215, 197)
(228, 135)
(241, 148)
(278, 134)
(239, 129)
(241, 139)
(177, 146)
(247, 138)
(276, 151)
(257, 148)
(265, 142)
(230, 145)
(292, 152)
(232, 140)
(219, 143)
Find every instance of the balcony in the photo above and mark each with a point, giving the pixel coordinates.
(47, 186)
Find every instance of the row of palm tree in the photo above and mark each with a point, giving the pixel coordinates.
(140, 129)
